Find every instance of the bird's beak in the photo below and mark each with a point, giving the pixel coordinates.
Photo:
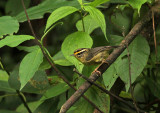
(72, 55)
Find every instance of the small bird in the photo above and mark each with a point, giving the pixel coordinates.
(92, 56)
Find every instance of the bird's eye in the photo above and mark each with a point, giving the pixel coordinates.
(80, 52)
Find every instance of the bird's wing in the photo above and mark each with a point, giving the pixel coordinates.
(96, 50)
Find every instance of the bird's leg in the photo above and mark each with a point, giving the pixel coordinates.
(97, 71)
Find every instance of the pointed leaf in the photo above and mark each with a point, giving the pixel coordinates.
(109, 77)
(137, 4)
(139, 54)
(28, 49)
(29, 65)
(98, 2)
(14, 40)
(98, 17)
(59, 14)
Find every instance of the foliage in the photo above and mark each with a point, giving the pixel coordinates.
(86, 24)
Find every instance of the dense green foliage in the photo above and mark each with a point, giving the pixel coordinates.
(61, 27)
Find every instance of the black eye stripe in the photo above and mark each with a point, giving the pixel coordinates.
(81, 52)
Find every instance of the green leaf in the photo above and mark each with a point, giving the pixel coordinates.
(32, 106)
(4, 86)
(122, 22)
(55, 90)
(118, 1)
(87, 70)
(58, 59)
(29, 65)
(139, 54)
(59, 14)
(109, 77)
(100, 99)
(154, 86)
(8, 111)
(115, 39)
(14, 40)
(98, 2)
(8, 25)
(98, 17)
(14, 79)
(80, 2)
(75, 41)
(125, 95)
(13, 7)
(28, 49)
(47, 6)
(89, 24)
(38, 84)
(84, 107)
(48, 106)
(137, 4)
(61, 60)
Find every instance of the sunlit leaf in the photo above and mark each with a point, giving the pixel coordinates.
(89, 24)
(59, 14)
(14, 40)
(137, 4)
(75, 41)
(98, 2)
(98, 17)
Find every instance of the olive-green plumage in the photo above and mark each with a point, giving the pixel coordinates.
(91, 56)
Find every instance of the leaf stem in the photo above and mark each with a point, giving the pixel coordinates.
(49, 31)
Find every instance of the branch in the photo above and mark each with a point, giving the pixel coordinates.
(106, 91)
(105, 65)
(47, 56)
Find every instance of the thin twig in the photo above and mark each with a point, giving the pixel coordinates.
(29, 22)
(51, 61)
(82, 22)
(152, 103)
(130, 81)
(23, 100)
(154, 32)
